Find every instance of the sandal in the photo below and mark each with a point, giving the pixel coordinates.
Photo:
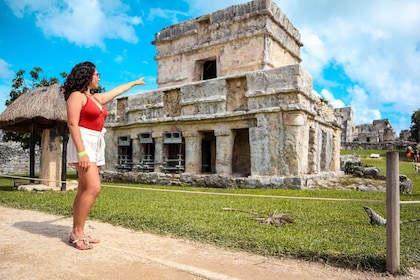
(86, 245)
(92, 239)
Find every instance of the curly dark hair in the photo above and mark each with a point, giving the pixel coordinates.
(79, 78)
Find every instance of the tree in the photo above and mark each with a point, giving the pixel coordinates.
(415, 126)
(20, 86)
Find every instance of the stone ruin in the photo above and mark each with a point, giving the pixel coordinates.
(379, 135)
(377, 132)
(234, 108)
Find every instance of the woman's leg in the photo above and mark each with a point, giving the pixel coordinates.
(88, 189)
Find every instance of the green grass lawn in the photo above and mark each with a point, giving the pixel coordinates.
(334, 232)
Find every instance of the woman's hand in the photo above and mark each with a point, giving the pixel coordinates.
(84, 162)
(140, 82)
(106, 97)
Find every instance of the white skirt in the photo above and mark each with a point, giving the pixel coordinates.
(94, 144)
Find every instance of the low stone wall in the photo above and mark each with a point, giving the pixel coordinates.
(15, 160)
(213, 180)
(391, 145)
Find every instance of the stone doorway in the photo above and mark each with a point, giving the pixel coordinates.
(241, 156)
(208, 153)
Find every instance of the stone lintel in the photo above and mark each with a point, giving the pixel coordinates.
(190, 133)
(222, 131)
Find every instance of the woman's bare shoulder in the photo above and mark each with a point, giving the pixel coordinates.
(76, 97)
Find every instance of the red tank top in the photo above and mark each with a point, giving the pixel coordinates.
(91, 117)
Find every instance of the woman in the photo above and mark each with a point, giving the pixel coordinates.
(86, 148)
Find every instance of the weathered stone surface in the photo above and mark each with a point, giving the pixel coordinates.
(388, 145)
(15, 160)
(51, 163)
(348, 162)
(369, 188)
(406, 185)
(368, 172)
(252, 36)
(253, 122)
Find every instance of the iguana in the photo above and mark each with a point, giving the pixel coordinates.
(376, 219)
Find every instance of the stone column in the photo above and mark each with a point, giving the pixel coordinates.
(158, 140)
(51, 158)
(224, 149)
(335, 166)
(264, 145)
(136, 148)
(192, 152)
(295, 146)
(313, 156)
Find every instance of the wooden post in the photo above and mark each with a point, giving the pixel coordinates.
(32, 154)
(392, 212)
(64, 158)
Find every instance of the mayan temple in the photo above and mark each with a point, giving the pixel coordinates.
(233, 108)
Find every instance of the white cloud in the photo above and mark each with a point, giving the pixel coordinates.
(6, 75)
(315, 54)
(363, 114)
(121, 57)
(83, 22)
(171, 15)
(205, 7)
(5, 70)
(26, 7)
(336, 103)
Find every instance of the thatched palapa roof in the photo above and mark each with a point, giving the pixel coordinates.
(43, 107)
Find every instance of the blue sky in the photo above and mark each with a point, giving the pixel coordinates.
(360, 53)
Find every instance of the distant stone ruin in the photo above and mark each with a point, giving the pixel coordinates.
(376, 136)
(377, 132)
(234, 108)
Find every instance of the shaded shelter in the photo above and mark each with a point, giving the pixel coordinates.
(42, 112)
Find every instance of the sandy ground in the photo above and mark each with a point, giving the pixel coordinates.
(34, 245)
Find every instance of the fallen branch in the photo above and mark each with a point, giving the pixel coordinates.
(274, 219)
(238, 210)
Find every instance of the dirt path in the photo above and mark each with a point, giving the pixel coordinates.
(34, 245)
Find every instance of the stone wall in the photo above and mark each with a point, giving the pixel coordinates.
(214, 180)
(388, 145)
(347, 123)
(260, 124)
(15, 160)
